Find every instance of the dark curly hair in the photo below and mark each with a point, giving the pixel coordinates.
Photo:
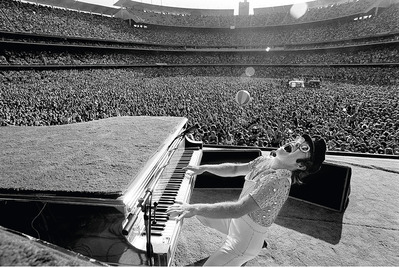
(299, 176)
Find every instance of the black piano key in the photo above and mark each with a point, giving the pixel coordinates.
(169, 202)
(175, 183)
(166, 201)
(171, 194)
(156, 233)
(176, 180)
(163, 220)
(173, 186)
(160, 207)
(157, 227)
(179, 172)
(157, 224)
(167, 198)
(176, 176)
(171, 189)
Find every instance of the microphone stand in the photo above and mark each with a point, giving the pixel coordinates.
(146, 207)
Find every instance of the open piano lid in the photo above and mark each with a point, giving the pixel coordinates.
(91, 163)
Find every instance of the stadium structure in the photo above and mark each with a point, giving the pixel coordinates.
(99, 105)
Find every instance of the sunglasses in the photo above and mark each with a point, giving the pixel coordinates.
(298, 143)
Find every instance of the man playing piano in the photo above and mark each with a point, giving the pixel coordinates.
(267, 184)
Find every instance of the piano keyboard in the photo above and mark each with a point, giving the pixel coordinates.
(174, 184)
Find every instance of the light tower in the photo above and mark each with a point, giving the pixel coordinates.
(243, 8)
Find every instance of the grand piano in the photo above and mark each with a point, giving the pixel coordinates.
(99, 189)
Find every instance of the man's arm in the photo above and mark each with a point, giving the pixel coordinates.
(224, 169)
(216, 210)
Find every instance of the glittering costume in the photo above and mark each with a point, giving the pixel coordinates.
(245, 235)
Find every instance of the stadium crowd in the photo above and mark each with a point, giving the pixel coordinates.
(352, 117)
(355, 110)
(30, 18)
(380, 54)
(264, 16)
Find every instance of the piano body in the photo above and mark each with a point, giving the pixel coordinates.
(115, 227)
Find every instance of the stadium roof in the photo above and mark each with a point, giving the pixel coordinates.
(77, 5)
(119, 12)
(176, 10)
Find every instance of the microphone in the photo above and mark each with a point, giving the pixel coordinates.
(191, 129)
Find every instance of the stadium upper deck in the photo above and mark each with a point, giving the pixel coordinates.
(33, 19)
(263, 17)
(138, 12)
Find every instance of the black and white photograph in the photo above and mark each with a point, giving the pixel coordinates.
(199, 133)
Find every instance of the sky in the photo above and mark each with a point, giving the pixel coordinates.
(205, 4)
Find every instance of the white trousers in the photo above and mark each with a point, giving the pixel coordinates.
(244, 240)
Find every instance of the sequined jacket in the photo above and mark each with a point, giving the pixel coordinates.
(269, 188)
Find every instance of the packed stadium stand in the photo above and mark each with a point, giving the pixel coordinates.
(71, 62)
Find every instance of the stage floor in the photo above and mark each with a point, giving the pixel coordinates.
(366, 234)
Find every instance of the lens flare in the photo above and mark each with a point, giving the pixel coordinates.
(298, 10)
(249, 71)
